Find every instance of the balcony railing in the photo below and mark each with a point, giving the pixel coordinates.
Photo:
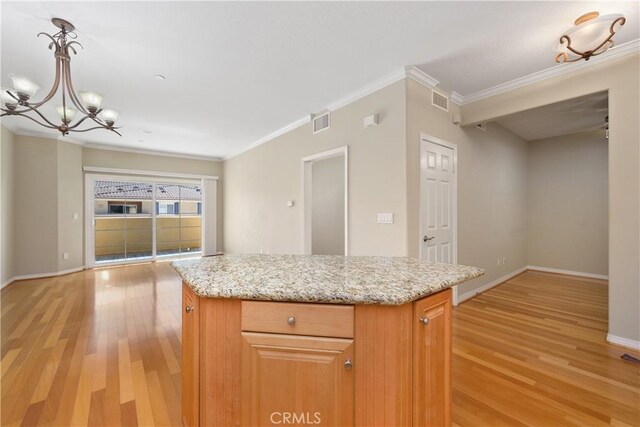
(120, 237)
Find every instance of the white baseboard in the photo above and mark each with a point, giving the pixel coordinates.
(463, 297)
(625, 342)
(568, 272)
(40, 275)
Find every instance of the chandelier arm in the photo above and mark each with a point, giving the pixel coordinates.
(72, 93)
(78, 123)
(41, 115)
(50, 125)
(54, 41)
(96, 119)
(54, 88)
(96, 127)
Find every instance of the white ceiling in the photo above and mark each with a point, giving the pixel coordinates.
(562, 118)
(236, 72)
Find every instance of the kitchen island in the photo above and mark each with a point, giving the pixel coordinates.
(320, 340)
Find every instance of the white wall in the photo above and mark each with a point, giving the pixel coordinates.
(259, 182)
(327, 206)
(568, 203)
(492, 187)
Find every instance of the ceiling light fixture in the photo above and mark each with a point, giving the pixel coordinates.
(591, 36)
(87, 103)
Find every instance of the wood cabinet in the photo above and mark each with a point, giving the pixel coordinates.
(432, 361)
(296, 380)
(258, 363)
(190, 356)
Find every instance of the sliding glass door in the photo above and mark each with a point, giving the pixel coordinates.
(140, 221)
(178, 220)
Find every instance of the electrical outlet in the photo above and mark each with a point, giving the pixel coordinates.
(498, 261)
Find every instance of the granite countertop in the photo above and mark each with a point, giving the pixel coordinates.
(320, 278)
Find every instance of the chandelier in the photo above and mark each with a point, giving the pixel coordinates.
(17, 102)
(591, 36)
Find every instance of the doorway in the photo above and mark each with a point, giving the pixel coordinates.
(325, 199)
(438, 202)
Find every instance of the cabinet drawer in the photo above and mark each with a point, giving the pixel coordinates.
(322, 320)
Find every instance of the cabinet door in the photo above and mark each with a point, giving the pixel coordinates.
(296, 380)
(190, 359)
(432, 360)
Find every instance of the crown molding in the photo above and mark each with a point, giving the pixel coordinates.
(352, 97)
(96, 146)
(417, 75)
(557, 70)
(150, 152)
(456, 98)
(368, 89)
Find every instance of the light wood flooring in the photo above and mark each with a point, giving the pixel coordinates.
(532, 351)
(102, 347)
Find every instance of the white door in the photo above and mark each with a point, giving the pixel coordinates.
(438, 202)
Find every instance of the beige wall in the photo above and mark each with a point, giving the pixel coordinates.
(620, 78)
(42, 189)
(36, 205)
(70, 203)
(259, 182)
(568, 203)
(6, 205)
(327, 206)
(492, 184)
(148, 162)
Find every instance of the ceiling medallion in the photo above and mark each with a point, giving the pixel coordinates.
(591, 36)
(16, 102)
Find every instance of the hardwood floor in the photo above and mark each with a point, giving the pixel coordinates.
(102, 347)
(532, 351)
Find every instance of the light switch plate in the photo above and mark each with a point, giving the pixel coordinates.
(385, 218)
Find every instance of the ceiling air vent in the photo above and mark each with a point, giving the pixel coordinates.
(439, 100)
(320, 122)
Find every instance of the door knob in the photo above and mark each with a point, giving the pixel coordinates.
(426, 239)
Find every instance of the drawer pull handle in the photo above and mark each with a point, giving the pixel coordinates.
(348, 364)
(424, 321)
(291, 320)
(188, 309)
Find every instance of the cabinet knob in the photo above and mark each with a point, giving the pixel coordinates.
(291, 320)
(348, 364)
(424, 320)
(188, 309)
